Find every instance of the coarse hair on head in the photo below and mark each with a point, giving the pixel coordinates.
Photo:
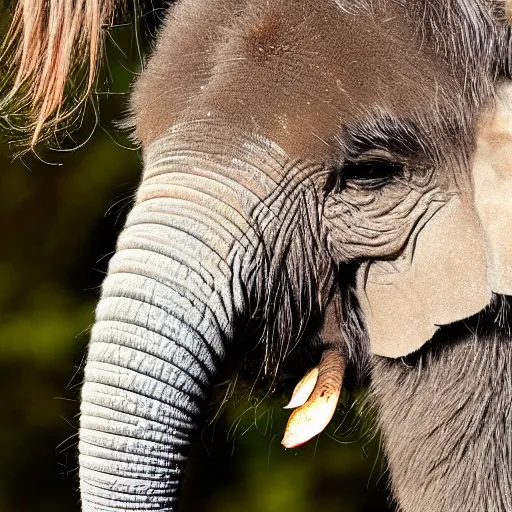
(52, 45)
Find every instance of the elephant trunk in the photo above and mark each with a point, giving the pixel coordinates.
(166, 312)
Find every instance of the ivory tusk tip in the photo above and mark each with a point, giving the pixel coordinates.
(309, 420)
(289, 442)
(303, 389)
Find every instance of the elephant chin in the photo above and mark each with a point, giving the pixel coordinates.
(166, 313)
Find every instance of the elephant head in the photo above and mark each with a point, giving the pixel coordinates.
(333, 174)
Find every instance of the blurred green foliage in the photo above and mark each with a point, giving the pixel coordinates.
(60, 212)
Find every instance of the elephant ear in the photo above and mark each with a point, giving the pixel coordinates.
(492, 175)
(47, 42)
(445, 280)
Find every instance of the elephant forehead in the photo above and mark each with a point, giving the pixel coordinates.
(292, 71)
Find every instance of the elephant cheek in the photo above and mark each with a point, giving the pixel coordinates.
(441, 278)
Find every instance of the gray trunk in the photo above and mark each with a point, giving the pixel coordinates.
(167, 308)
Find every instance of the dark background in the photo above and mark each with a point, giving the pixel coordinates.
(60, 212)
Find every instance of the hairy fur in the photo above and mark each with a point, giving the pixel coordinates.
(446, 417)
(47, 43)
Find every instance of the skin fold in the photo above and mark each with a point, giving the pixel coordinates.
(322, 181)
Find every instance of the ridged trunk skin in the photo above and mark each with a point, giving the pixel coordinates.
(166, 312)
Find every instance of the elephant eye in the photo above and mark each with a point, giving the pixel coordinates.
(370, 173)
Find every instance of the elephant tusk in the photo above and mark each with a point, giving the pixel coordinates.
(303, 389)
(315, 414)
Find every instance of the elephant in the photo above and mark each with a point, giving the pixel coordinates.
(323, 179)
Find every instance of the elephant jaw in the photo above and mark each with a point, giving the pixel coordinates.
(456, 260)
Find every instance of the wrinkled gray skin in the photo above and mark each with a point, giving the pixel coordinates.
(251, 114)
